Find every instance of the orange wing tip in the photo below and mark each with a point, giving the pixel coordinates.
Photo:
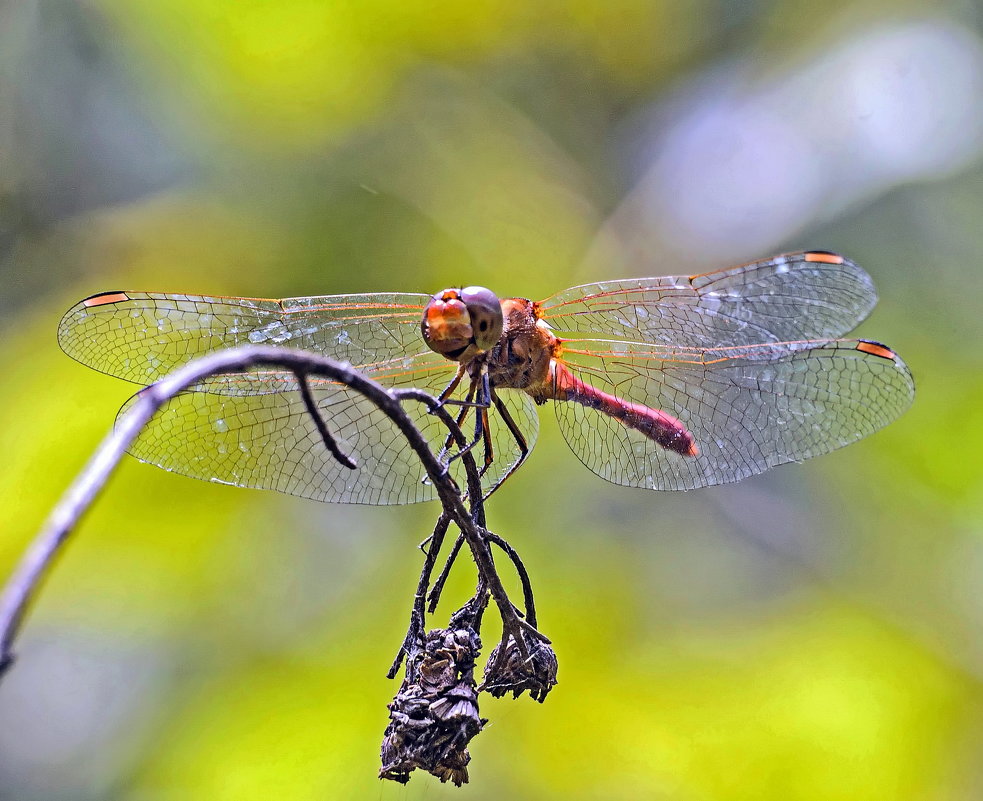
(824, 256)
(876, 349)
(105, 299)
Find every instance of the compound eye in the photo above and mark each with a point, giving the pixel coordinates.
(485, 311)
(446, 326)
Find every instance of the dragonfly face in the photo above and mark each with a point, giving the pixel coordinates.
(462, 324)
(673, 382)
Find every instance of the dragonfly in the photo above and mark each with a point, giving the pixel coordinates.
(666, 383)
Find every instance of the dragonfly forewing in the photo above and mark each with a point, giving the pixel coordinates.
(142, 336)
(811, 295)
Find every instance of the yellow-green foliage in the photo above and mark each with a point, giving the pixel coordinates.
(809, 635)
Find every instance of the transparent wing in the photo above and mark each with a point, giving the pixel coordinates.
(814, 295)
(142, 336)
(748, 408)
(252, 430)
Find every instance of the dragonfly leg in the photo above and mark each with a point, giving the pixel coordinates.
(466, 406)
(485, 427)
(449, 440)
(444, 398)
(481, 430)
(517, 436)
(449, 389)
(469, 404)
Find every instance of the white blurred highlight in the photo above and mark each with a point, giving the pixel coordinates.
(734, 166)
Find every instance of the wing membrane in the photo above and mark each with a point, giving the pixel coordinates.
(142, 336)
(252, 430)
(748, 408)
(796, 296)
(745, 358)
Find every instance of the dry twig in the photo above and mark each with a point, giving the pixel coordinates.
(435, 713)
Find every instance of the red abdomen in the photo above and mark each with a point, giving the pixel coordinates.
(655, 424)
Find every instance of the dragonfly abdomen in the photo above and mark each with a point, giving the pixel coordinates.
(655, 424)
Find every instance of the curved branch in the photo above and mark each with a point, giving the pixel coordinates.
(322, 428)
(86, 487)
(415, 632)
(528, 599)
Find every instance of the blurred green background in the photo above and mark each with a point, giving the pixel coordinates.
(809, 634)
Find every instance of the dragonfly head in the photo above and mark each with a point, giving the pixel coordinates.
(462, 323)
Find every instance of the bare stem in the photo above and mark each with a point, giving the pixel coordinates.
(438, 586)
(85, 489)
(414, 635)
(528, 600)
(87, 485)
(322, 428)
(472, 527)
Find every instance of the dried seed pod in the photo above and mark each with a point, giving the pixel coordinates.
(435, 713)
(516, 673)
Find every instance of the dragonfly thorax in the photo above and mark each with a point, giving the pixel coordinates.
(522, 358)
